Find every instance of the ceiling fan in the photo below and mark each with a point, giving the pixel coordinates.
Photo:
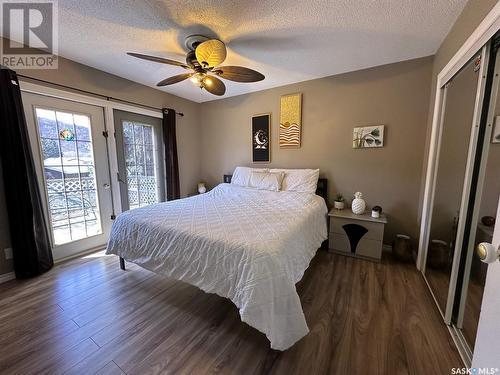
(203, 60)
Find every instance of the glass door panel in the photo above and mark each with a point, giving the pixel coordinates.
(73, 171)
(459, 106)
(141, 164)
(69, 171)
(140, 159)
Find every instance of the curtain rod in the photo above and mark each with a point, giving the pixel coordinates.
(108, 98)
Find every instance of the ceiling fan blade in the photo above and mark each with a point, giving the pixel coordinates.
(238, 74)
(214, 85)
(211, 53)
(158, 59)
(175, 79)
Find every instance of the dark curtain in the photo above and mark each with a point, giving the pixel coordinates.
(171, 162)
(28, 230)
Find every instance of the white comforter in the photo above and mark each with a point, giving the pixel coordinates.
(251, 246)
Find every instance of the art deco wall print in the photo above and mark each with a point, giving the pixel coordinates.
(261, 138)
(290, 121)
(368, 137)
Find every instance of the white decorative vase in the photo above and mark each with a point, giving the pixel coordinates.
(201, 188)
(358, 204)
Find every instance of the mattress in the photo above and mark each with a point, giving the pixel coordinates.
(251, 246)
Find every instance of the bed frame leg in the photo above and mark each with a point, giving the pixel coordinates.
(122, 263)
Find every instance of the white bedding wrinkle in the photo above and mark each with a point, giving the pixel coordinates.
(251, 246)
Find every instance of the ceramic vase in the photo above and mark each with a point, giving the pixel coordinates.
(338, 205)
(358, 204)
(201, 188)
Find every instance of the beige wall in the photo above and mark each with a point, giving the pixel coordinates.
(395, 95)
(86, 78)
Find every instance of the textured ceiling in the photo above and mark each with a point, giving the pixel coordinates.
(286, 40)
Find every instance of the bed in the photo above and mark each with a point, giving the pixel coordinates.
(251, 246)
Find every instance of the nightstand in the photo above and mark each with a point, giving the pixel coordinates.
(356, 235)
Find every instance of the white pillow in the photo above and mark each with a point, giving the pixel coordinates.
(300, 180)
(266, 180)
(241, 175)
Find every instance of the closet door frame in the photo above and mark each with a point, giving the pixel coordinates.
(466, 189)
(479, 164)
(481, 35)
(478, 39)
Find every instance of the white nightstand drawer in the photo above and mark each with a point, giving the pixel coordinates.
(369, 248)
(366, 247)
(375, 230)
(339, 242)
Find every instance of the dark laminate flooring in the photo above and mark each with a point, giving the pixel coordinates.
(87, 316)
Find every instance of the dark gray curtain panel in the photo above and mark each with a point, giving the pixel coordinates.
(28, 230)
(171, 161)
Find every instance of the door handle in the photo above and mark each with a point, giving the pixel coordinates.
(487, 253)
(106, 186)
(119, 178)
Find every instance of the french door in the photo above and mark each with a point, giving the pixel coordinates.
(72, 166)
(140, 159)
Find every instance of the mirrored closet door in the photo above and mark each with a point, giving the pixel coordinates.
(459, 105)
(483, 203)
(465, 194)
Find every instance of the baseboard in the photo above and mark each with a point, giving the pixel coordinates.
(7, 277)
(80, 254)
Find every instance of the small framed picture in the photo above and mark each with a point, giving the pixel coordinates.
(261, 138)
(368, 137)
(495, 135)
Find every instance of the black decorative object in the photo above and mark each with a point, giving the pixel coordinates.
(261, 138)
(28, 228)
(354, 232)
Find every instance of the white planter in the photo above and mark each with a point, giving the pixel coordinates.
(338, 205)
(358, 204)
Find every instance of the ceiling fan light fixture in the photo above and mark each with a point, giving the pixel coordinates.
(208, 81)
(203, 63)
(211, 53)
(197, 79)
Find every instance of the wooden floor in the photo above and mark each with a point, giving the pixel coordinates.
(439, 281)
(87, 316)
